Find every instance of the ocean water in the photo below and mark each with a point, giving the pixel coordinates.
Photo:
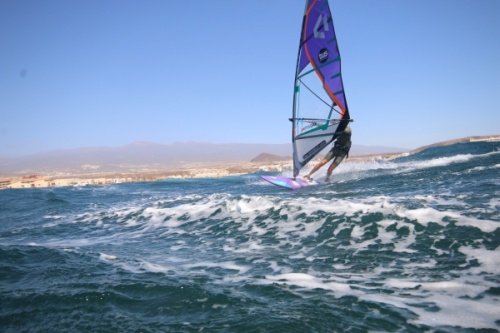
(406, 245)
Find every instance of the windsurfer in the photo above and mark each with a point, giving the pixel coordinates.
(339, 151)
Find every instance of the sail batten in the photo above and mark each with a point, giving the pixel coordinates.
(319, 55)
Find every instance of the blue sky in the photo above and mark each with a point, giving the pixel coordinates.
(109, 73)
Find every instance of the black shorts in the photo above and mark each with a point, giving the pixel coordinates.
(339, 155)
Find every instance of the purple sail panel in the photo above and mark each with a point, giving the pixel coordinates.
(319, 48)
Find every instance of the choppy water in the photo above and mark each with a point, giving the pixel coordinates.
(408, 245)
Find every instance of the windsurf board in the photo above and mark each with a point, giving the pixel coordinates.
(287, 182)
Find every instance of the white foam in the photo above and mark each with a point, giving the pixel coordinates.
(402, 166)
(249, 204)
(54, 217)
(107, 257)
(494, 204)
(310, 282)
(453, 302)
(459, 312)
(152, 267)
(489, 260)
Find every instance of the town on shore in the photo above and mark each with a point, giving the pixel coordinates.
(194, 170)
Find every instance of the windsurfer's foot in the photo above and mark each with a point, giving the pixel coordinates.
(327, 179)
(307, 178)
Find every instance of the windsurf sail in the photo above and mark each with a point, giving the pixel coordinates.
(320, 110)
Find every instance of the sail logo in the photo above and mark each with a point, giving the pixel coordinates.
(316, 149)
(323, 55)
(322, 22)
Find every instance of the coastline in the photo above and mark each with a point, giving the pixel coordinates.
(107, 178)
(193, 170)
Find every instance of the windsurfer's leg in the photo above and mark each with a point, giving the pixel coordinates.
(339, 157)
(329, 171)
(316, 168)
(325, 160)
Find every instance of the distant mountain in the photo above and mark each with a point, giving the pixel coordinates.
(148, 155)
